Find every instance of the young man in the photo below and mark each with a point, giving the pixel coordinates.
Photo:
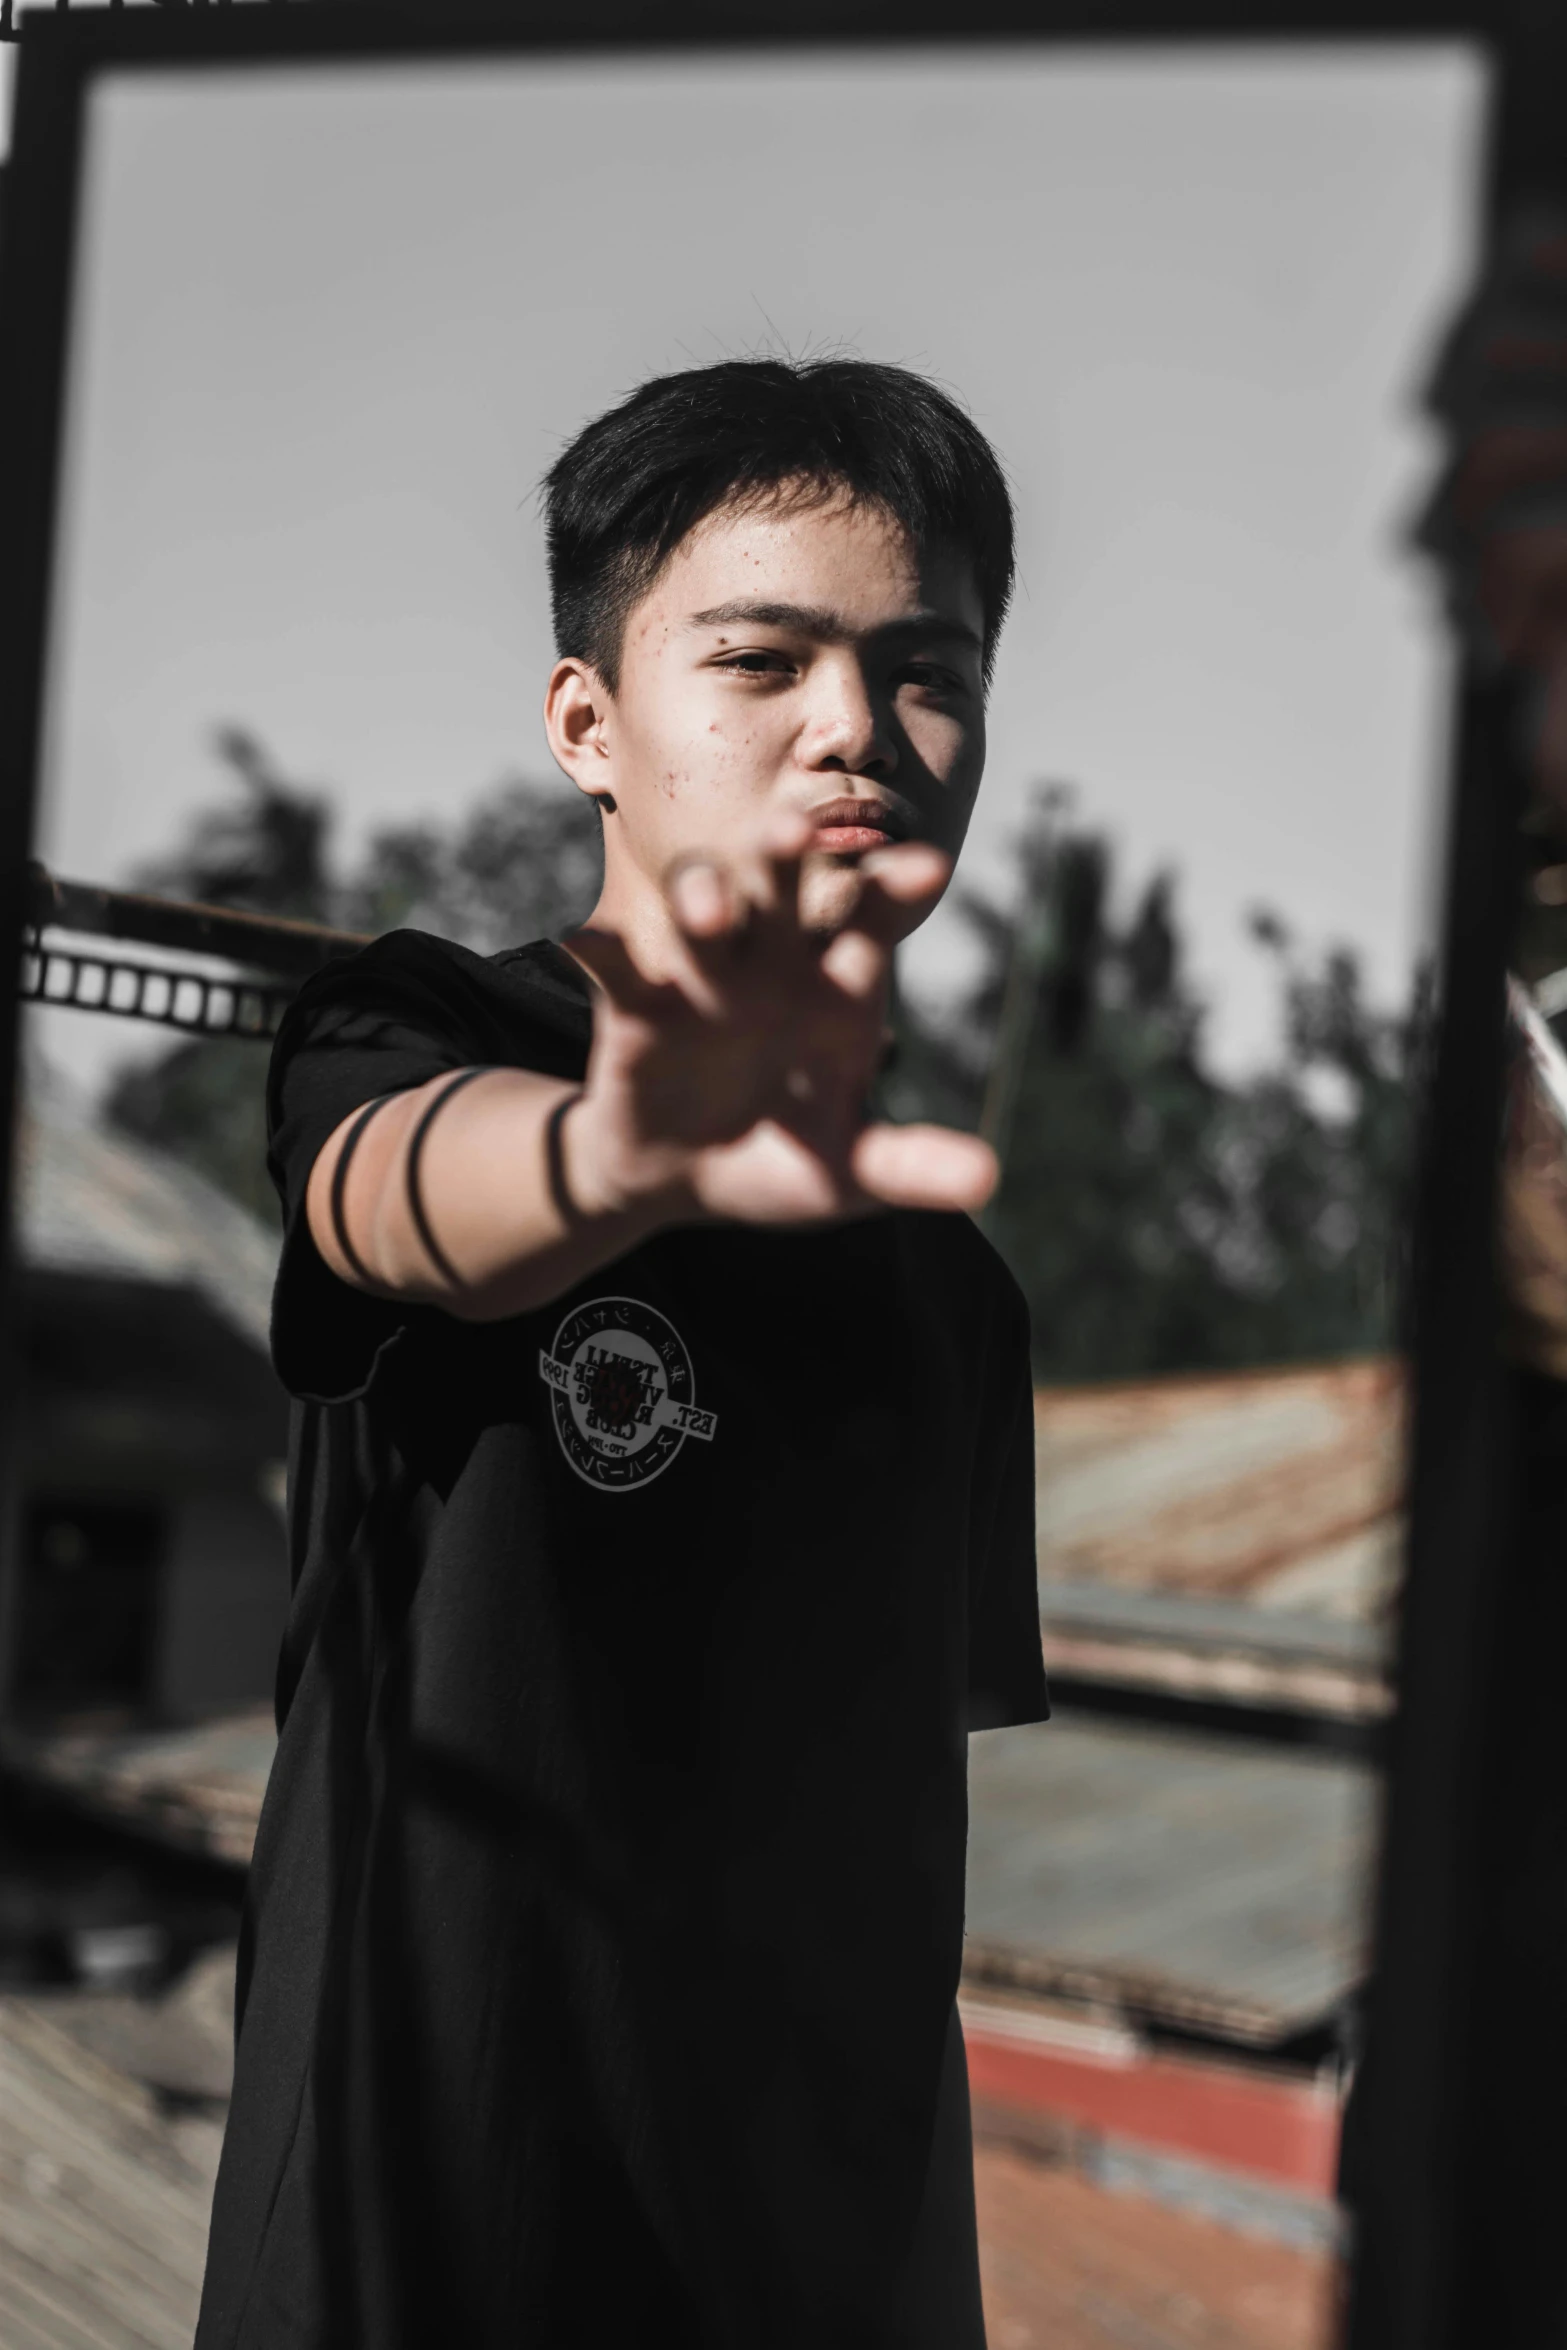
(662, 1491)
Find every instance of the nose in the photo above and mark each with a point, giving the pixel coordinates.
(848, 733)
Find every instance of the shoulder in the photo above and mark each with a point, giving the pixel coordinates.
(528, 1007)
(952, 1256)
(543, 976)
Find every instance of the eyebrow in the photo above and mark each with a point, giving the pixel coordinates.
(829, 627)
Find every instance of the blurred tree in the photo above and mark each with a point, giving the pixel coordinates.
(1326, 1145)
(1158, 1218)
(265, 849)
(525, 862)
(522, 863)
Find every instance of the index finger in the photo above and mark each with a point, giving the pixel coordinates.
(784, 837)
(898, 888)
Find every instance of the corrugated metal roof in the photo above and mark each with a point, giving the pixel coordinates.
(1220, 1651)
(1278, 1487)
(1169, 1873)
(1175, 1876)
(199, 1788)
(90, 1201)
(1237, 1539)
(1274, 1486)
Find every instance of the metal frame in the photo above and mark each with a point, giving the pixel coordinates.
(189, 1000)
(229, 1003)
(1456, 2234)
(262, 942)
(519, 24)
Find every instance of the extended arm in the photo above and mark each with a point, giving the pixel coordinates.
(732, 1085)
(467, 1193)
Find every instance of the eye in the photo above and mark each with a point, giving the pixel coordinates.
(756, 662)
(933, 676)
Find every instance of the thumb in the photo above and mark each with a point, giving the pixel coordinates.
(924, 1167)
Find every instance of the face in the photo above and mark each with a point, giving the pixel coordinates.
(802, 657)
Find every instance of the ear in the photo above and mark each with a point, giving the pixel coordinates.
(577, 707)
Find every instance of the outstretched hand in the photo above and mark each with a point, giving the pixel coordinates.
(735, 1084)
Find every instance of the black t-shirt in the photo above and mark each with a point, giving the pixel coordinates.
(607, 1905)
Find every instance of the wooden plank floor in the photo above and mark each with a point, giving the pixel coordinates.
(103, 2199)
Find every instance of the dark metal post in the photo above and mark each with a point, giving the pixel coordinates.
(1425, 2053)
(1460, 2169)
(41, 182)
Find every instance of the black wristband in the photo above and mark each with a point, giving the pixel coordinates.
(555, 1162)
(345, 1159)
(421, 1221)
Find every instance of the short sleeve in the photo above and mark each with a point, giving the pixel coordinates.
(1006, 1670)
(406, 1009)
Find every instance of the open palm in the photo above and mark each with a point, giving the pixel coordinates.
(736, 1086)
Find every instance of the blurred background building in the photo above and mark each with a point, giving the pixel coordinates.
(153, 1434)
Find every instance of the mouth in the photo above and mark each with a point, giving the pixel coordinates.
(848, 827)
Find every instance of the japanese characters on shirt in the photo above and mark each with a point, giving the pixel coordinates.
(622, 1393)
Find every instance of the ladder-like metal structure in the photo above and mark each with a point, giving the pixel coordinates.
(268, 958)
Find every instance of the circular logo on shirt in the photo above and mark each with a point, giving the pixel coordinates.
(621, 1392)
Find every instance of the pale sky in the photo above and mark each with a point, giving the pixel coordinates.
(335, 326)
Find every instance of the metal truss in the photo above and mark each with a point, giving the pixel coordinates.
(189, 1000)
(272, 956)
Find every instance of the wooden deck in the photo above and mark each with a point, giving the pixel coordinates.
(104, 2198)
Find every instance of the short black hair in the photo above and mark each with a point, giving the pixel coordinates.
(638, 480)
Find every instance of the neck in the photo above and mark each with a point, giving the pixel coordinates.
(634, 908)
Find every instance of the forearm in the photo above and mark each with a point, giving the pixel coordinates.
(483, 1200)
